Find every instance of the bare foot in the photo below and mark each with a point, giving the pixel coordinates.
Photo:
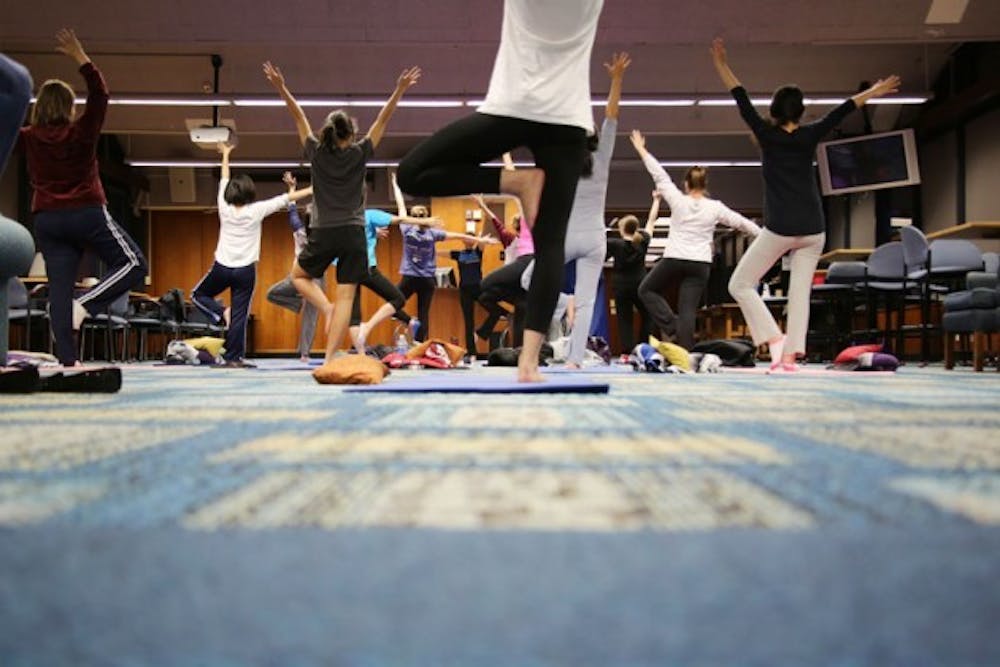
(529, 375)
(572, 366)
(360, 336)
(526, 185)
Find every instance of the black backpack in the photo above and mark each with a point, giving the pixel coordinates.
(172, 305)
(735, 352)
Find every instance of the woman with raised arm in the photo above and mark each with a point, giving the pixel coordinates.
(793, 210)
(687, 255)
(538, 97)
(376, 225)
(338, 161)
(70, 208)
(241, 219)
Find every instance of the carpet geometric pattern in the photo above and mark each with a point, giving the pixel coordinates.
(237, 517)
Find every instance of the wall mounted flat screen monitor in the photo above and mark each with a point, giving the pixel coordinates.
(871, 162)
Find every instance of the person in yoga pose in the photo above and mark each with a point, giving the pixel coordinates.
(687, 255)
(338, 160)
(69, 204)
(793, 211)
(545, 108)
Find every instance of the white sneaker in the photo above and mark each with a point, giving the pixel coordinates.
(79, 315)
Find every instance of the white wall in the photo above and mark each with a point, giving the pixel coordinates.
(982, 170)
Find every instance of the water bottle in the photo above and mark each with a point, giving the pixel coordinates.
(401, 345)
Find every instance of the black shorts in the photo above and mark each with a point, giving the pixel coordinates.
(344, 243)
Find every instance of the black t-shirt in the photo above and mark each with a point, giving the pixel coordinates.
(629, 256)
(338, 179)
(792, 204)
(470, 266)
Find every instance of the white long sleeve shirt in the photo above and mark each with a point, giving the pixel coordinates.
(240, 226)
(693, 219)
(542, 69)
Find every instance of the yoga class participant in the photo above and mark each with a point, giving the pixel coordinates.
(629, 251)
(793, 210)
(377, 221)
(538, 97)
(338, 160)
(69, 204)
(283, 292)
(236, 255)
(687, 255)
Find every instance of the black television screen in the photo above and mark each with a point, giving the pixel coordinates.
(872, 162)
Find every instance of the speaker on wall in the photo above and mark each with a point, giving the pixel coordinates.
(182, 189)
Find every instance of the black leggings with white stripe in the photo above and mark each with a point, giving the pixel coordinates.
(448, 163)
(63, 236)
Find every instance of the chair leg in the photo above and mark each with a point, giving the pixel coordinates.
(949, 351)
(978, 350)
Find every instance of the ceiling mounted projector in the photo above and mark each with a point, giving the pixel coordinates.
(211, 135)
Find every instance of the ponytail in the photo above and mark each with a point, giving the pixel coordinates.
(338, 127)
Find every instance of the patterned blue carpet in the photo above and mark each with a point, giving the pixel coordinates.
(236, 517)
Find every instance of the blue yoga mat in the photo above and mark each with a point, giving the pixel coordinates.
(447, 382)
(613, 369)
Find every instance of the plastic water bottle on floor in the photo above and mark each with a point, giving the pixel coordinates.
(402, 346)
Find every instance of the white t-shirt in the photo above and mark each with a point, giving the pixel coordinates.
(693, 219)
(239, 228)
(542, 69)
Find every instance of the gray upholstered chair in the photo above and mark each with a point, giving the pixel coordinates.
(974, 312)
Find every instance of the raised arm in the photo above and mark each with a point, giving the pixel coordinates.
(506, 236)
(406, 79)
(92, 118)
(731, 218)
(881, 87)
(664, 184)
(398, 196)
(225, 149)
(654, 213)
(616, 70)
(277, 80)
(721, 62)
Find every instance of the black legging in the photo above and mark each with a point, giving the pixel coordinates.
(626, 293)
(448, 163)
(691, 278)
(504, 284)
(424, 289)
(467, 297)
(378, 283)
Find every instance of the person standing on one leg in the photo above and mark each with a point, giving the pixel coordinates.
(793, 210)
(69, 204)
(687, 255)
(283, 293)
(236, 255)
(546, 109)
(338, 161)
(629, 254)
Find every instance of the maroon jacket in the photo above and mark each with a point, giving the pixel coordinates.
(62, 159)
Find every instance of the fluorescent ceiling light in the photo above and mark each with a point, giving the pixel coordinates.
(170, 101)
(648, 103)
(946, 11)
(710, 163)
(730, 102)
(898, 100)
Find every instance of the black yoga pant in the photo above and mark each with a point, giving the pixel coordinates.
(448, 163)
(424, 289)
(378, 283)
(467, 296)
(626, 292)
(690, 277)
